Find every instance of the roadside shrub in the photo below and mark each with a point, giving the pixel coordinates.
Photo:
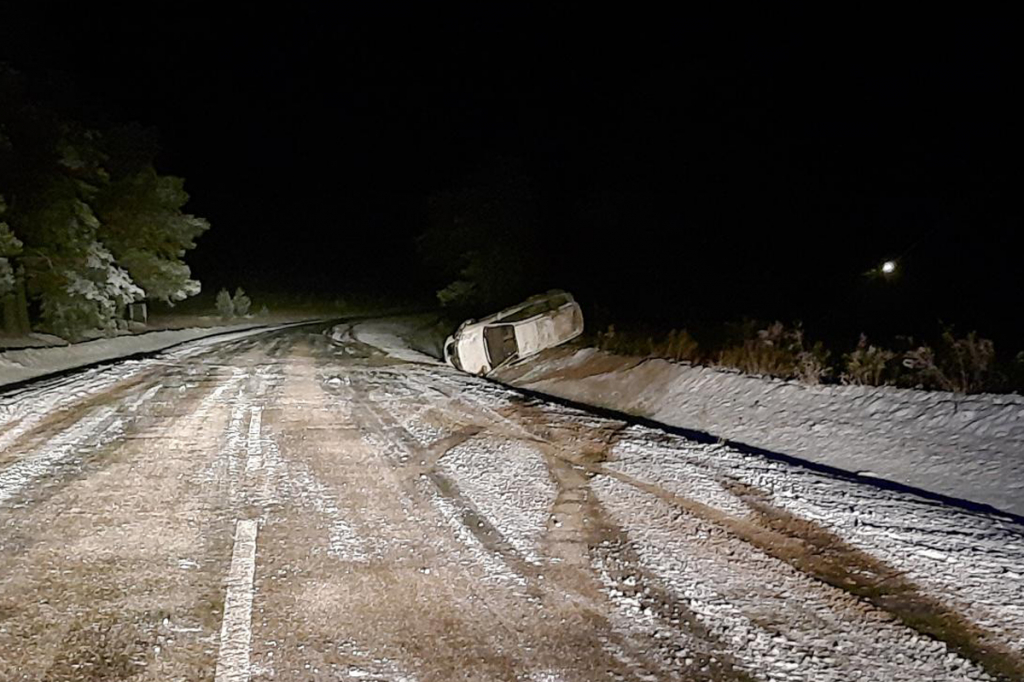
(458, 293)
(1015, 374)
(959, 365)
(606, 339)
(867, 365)
(263, 311)
(962, 365)
(812, 364)
(779, 352)
(971, 361)
(241, 303)
(678, 346)
(225, 304)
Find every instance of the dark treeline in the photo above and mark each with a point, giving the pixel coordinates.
(671, 173)
(690, 258)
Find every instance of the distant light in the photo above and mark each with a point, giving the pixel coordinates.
(889, 267)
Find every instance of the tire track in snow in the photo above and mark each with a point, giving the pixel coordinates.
(637, 639)
(93, 431)
(871, 578)
(100, 427)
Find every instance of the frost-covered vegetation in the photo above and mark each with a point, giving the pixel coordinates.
(241, 302)
(959, 364)
(778, 351)
(87, 225)
(677, 345)
(230, 307)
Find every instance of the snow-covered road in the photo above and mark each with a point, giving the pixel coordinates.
(313, 503)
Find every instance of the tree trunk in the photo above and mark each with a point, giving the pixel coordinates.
(15, 308)
(10, 318)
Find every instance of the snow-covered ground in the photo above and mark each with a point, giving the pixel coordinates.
(33, 340)
(793, 573)
(403, 502)
(29, 363)
(967, 447)
(389, 335)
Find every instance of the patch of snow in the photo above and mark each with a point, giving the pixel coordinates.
(297, 483)
(959, 558)
(33, 340)
(968, 447)
(509, 484)
(497, 572)
(386, 336)
(100, 427)
(377, 668)
(772, 618)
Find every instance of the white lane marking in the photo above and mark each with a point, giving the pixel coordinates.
(255, 446)
(236, 630)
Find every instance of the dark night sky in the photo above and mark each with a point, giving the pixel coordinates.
(725, 169)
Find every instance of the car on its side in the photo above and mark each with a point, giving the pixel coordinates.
(525, 329)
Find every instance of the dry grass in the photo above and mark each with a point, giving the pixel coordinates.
(778, 351)
(964, 365)
(677, 345)
(819, 553)
(868, 365)
(960, 365)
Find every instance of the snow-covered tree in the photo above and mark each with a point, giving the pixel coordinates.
(52, 170)
(142, 223)
(92, 225)
(10, 246)
(225, 304)
(241, 302)
(68, 270)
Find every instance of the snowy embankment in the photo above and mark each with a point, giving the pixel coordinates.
(30, 363)
(793, 573)
(403, 337)
(967, 447)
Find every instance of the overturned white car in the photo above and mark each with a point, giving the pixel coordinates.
(539, 322)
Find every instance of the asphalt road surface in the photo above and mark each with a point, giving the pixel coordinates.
(302, 505)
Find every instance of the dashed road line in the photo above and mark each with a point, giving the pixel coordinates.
(255, 446)
(233, 663)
